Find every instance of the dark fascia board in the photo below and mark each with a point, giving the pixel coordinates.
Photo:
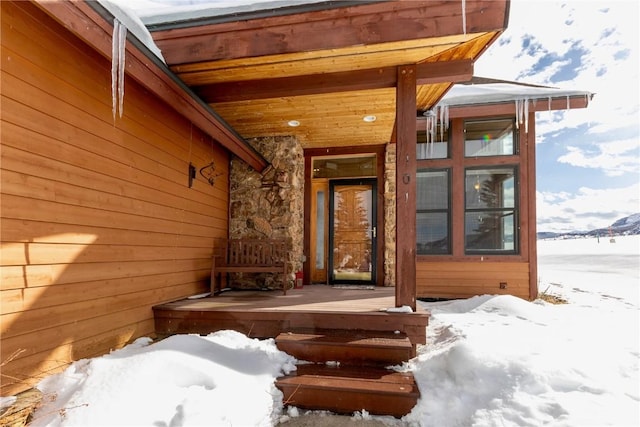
(254, 14)
(201, 113)
(508, 107)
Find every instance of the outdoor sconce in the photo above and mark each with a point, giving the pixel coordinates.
(209, 173)
(192, 174)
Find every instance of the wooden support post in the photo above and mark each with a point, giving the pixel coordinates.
(531, 227)
(406, 187)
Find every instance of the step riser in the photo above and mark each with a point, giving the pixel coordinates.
(348, 402)
(359, 382)
(349, 389)
(325, 352)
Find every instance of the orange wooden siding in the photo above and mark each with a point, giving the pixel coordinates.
(464, 279)
(98, 223)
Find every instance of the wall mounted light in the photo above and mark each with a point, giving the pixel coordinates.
(369, 119)
(192, 174)
(293, 123)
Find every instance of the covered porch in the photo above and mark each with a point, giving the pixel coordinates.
(266, 314)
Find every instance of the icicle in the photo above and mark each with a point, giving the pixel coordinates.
(441, 116)
(464, 17)
(522, 113)
(550, 113)
(446, 117)
(429, 131)
(114, 66)
(586, 99)
(121, 57)
(526, 115)
(568, 103)
(118, 53)
(428, 135)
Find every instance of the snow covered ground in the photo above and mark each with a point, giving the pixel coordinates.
(490, 361)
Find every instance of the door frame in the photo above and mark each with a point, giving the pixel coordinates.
(309, 154)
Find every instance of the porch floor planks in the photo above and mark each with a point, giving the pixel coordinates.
(265, 314)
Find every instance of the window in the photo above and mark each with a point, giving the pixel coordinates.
(489, 138)
(436, 148)
(490, 210)
(344, 167)
(468, 193)
(432, 222)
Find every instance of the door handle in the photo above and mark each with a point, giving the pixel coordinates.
(373, 232)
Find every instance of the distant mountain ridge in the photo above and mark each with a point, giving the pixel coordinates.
(629, 225)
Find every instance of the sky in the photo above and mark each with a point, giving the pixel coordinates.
(588, 160)
(490, 361)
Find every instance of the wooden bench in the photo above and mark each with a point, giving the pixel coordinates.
(249, 256)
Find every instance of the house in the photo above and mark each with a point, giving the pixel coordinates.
(121, 166)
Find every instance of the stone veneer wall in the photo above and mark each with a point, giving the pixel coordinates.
(269, 204)
(390, 215)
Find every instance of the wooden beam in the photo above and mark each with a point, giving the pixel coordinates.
(532, 229)
(86, 23)
(406, 187)
(427, 73)
(381, 22)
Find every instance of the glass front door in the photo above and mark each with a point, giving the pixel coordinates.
(352, 231)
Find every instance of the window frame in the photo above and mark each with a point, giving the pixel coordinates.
(514, 209)
(447, 211)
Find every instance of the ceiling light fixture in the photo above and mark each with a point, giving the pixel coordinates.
(369, 119)
(293, 123)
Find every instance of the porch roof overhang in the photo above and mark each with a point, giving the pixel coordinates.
(327, 66)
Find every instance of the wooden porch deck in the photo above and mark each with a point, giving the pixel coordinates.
(266, 314)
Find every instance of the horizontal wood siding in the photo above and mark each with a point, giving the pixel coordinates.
(464, 279)
(98, 223)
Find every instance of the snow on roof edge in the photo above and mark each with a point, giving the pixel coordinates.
(190, 12)
(133, 23)
(502, 92)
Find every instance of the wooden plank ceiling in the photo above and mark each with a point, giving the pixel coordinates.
(328, 69)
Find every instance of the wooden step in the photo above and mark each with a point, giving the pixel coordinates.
(347, 389)
(347, 346)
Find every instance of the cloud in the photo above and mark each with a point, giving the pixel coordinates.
(587, 209)
(575, 45)
(614, 158)
(584, 45)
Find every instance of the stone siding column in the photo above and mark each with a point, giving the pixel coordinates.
(269, 204)
(390, 215)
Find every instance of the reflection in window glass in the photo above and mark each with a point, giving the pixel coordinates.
(436, 149)
(344, 167)
(432, 220)
(490, 210)
(489, 138)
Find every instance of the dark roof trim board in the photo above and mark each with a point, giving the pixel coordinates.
(171, 21)
(94, 25)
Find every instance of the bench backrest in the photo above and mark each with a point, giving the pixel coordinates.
(253, 252)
